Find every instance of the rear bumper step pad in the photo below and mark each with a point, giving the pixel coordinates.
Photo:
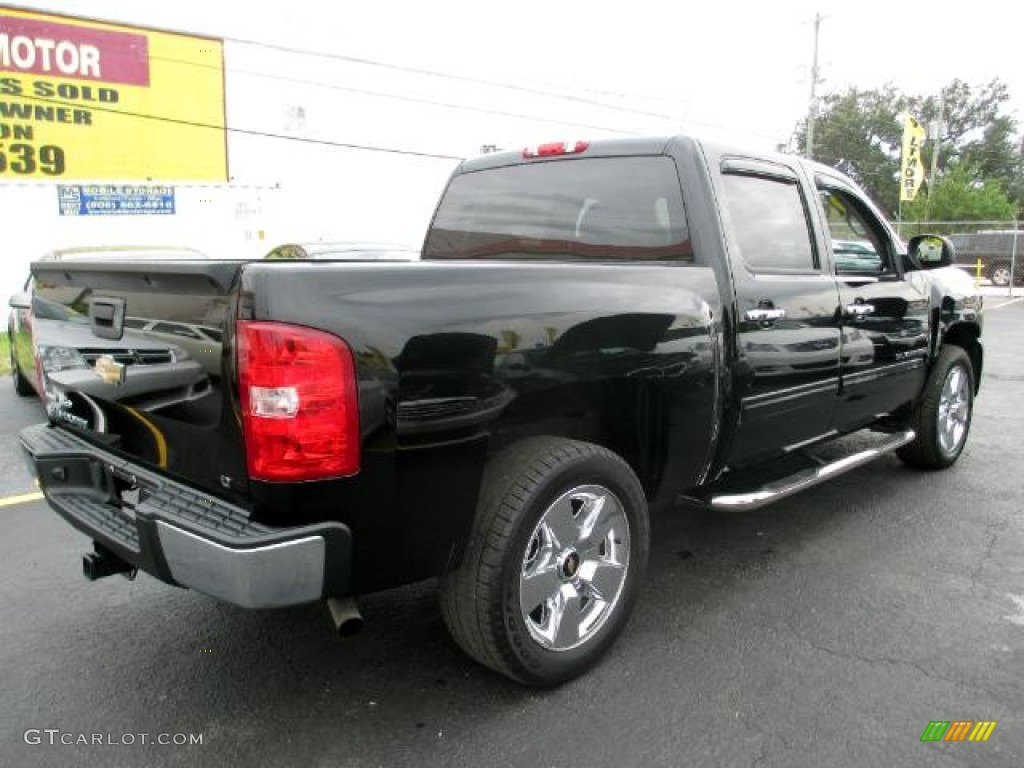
(184, 536)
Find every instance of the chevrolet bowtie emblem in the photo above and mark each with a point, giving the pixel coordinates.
(108, 369)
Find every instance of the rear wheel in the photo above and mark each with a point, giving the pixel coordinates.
(21, 385)
(942, 418)
(1000, 275)
(551, 571)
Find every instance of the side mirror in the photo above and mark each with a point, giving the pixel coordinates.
(21, 300)
(931, 251)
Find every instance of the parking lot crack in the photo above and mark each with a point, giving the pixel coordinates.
(873, 660)
(993, 530)
(893, 662)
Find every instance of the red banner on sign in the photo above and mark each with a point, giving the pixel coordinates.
(76, 52)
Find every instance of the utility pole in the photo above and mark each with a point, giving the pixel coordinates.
(935, 134)
(812, 107)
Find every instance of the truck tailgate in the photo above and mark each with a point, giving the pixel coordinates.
(135, 358)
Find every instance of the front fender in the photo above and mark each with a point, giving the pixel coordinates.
(958, 312)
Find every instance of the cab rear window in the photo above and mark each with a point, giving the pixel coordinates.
(601, 209)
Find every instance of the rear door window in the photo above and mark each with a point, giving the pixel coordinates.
(769, 219)
(591, 208)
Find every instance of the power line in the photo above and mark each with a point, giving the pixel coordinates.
(492, 83)
(243, 131)
(385, 65)
(453, 105)
(501, 84)
(734, 129)
(441, 75)
(639, 96)
(394, 96)
(449, 76)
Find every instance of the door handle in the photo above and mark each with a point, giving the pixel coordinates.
(762, 315)
(860, 310)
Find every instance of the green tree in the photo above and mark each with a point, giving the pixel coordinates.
(960, 195)
(976, 133)
(860, 133)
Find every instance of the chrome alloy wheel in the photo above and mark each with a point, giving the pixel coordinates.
(1000, 276)
(954, 410)
(574, 567)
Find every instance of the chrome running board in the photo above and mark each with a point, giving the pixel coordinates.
(807, 478)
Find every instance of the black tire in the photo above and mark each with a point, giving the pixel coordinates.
(932, 449)
(21, 385)
(534, 480)
(999, 274)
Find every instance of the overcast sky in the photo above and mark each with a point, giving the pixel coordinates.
(727, 69)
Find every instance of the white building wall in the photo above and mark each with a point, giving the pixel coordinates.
(224, 221)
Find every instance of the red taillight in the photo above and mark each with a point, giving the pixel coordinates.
(300, 412)
(556, 148)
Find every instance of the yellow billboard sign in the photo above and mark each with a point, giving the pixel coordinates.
(83, 99)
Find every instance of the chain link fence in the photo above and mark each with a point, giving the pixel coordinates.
(991, 251)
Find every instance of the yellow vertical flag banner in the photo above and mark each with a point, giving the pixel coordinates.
(911, 167)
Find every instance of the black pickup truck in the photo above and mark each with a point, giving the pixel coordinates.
(593, 328)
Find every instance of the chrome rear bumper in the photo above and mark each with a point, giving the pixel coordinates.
(182, 535)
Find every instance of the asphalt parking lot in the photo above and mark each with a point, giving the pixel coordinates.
(826, 630)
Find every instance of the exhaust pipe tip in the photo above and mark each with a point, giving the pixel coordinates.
(348, 621)
(351, 628)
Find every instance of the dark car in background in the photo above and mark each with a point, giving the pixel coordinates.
(1001, 253)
